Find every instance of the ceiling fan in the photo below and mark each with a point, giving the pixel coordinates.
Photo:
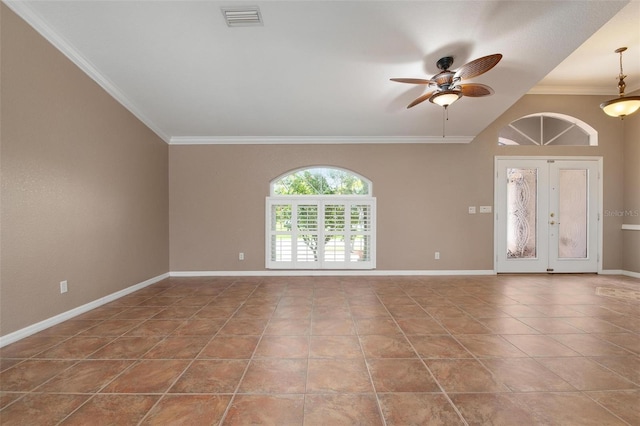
(447, 86)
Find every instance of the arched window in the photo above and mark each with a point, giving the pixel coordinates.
(548, 128)
(321, 181)
(320, 218)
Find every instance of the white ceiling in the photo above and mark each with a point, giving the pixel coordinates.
(318, 71)
(593, 68)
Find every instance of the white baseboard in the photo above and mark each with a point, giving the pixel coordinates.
(39, 326)
(359, 272)
(631, 274)
(620, 272)
(319, 273)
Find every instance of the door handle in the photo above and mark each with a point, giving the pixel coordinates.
(553, 222)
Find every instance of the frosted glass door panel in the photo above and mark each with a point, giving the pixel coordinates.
(573, 216)
(522, 229)
(522, 190)
(573, 212)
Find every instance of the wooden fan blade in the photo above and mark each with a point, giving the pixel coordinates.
(412, 80)
(420, 99)
(475, 90)
(478, 66)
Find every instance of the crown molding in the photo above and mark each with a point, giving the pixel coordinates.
(578, 90)
(23, 10)
(311, 140)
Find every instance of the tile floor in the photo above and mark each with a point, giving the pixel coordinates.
(500, 350)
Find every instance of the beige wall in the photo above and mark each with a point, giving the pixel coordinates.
(217, 193)
(84, 186)
(631, 239)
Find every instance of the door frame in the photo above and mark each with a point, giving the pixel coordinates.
(598, 159)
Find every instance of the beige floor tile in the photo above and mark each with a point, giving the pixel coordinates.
(187, 410)
(401, 375)
(585, 374)
(386, 346)
(265, 410)
(211, 376)
(230, 347)
(489, 346)
(86, 376)
(338, 376)
(520, 349)
(275, 376)
(343, 409)
(283, 347)
(147, 377)
(464, 375)
(112, 410)
(41, 409)
(526, 375)
(30, 374)
(565, 408)
(400, 409)
(496, 409)
(335, 347)
(623, 403)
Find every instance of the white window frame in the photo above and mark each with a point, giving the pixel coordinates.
(351, 260)
(572, 121)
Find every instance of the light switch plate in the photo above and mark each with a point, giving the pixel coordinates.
(472, 210)
(485, 209)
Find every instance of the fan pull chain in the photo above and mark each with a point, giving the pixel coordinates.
(445, 116)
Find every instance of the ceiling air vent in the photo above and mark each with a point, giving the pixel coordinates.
(242, 16)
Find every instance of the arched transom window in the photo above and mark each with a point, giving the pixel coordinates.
(321, 181)
(320, 218)
(548, 128)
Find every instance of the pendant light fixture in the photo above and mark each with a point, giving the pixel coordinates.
(622, 105)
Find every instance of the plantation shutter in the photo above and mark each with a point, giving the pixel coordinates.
(320, 232)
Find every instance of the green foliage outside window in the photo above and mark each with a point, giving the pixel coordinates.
(321, 181)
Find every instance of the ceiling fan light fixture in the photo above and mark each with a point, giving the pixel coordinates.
(623, 105)
(445, 97)
(446, 86)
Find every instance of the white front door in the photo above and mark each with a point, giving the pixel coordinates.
(547, 215)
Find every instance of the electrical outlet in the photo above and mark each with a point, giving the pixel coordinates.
(472, 210)
(437, 255)
(63, 286)
(240, 256)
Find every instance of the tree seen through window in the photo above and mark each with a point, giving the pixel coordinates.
(321, 217)
(321, 181)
